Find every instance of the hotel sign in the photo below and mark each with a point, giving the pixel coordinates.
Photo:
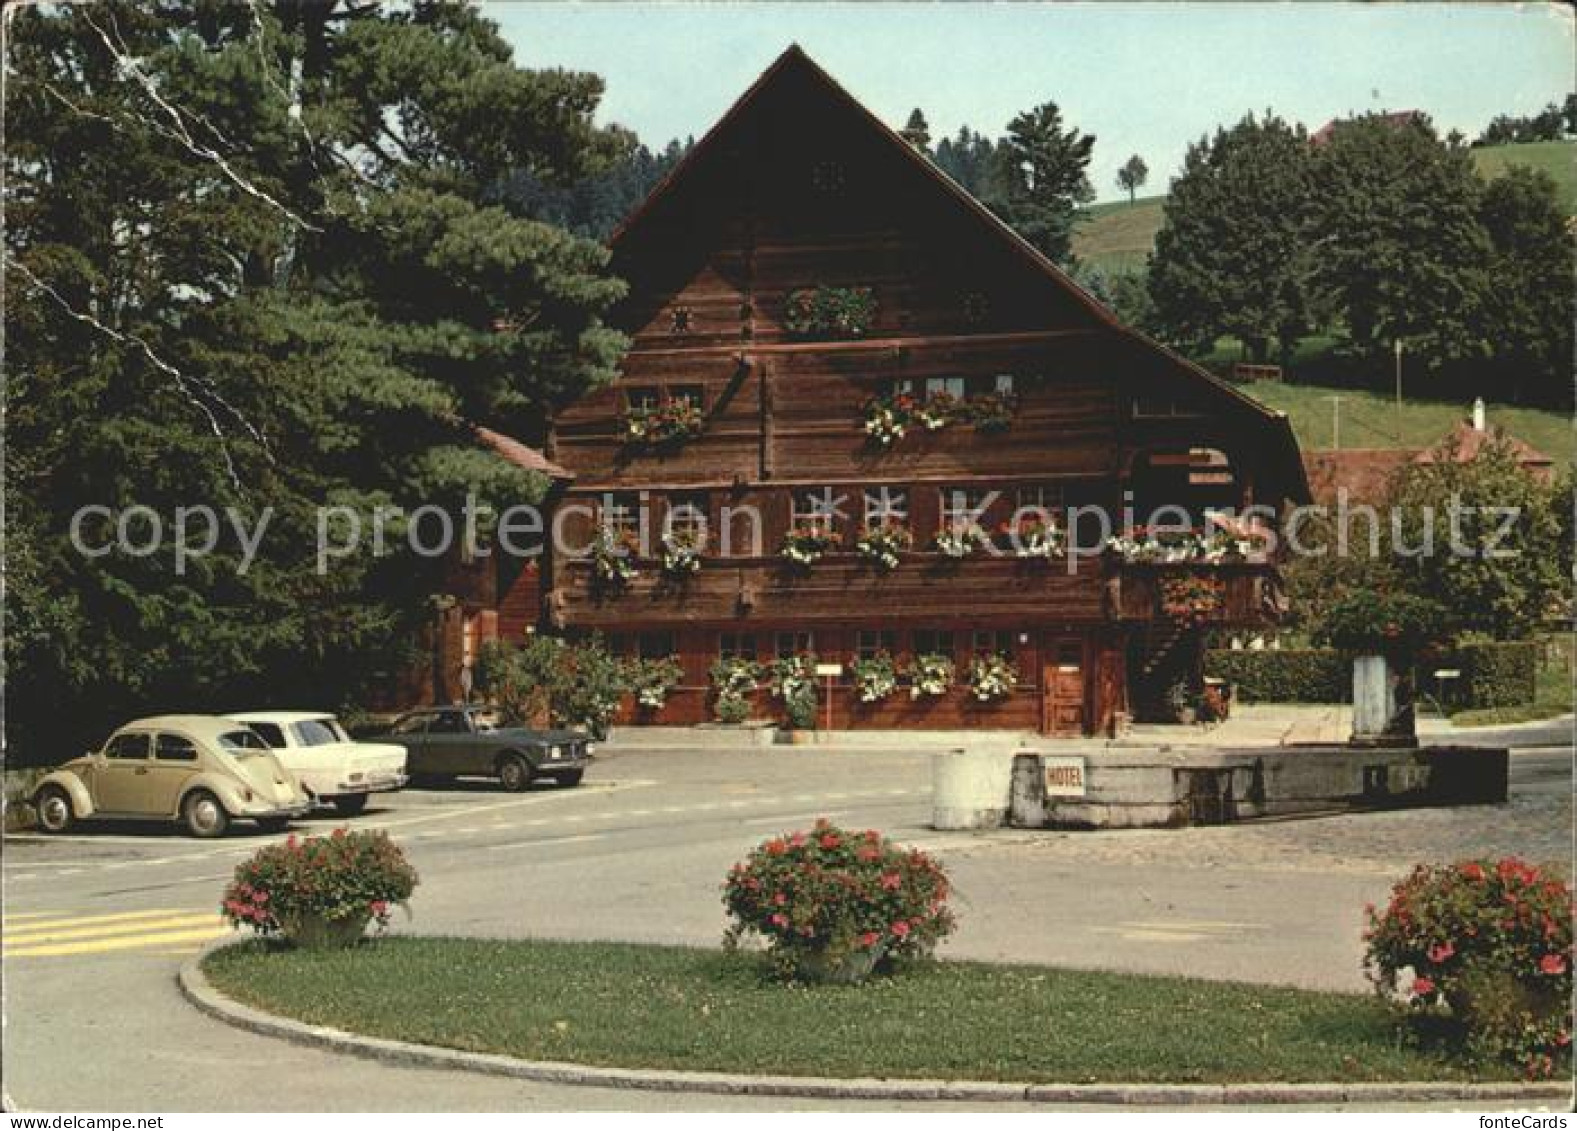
(1064, 775)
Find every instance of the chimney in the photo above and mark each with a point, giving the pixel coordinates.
(1478, 414)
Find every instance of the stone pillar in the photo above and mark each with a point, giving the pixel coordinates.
(1373, 699)
(969, 790)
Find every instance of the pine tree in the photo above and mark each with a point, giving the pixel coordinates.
(916, 131)
(1039, 170)
(1235, 251)
(259, 257)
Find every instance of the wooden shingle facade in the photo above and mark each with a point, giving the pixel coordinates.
(797, 191)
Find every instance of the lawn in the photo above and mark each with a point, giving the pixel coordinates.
(1115, 238)
(1552, 695)
(1372, 420)
(625, 1005)
(1557, 158)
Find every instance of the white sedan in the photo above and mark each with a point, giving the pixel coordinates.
(332, 767)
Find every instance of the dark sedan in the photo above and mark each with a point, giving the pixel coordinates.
(450, 742)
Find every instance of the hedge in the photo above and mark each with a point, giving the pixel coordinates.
(1283, 675)
(1494, 674)
(1501, 673)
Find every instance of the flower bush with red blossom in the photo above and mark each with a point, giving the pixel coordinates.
(832, 894)
(1480, 952)
(337, 878)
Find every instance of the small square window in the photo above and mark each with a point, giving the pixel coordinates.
(952, 386)
(994, 641)
(1045, 498)
(1003, 382)
(886, 504)
(736, 646)
(818, 506)
(681, 320)
(965, 506)
(688, 394)
(790, 644)
(643, 397)
(621, 514)
(655, 645)
(869, 642)
(932, 642)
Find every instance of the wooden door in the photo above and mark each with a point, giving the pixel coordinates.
(1062, 686)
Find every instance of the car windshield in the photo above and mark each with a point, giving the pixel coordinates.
(317, 732)
(241, 742)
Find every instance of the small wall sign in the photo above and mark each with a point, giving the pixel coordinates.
(1064, 775)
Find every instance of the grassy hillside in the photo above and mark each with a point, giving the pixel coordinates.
(1557, 158)
(1116, 237)
(1372, 420)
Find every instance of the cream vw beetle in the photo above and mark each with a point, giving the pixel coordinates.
(200, 770)
(332, 767)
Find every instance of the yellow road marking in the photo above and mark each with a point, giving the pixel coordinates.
(32, 935)
(86, 920)
(129, 942)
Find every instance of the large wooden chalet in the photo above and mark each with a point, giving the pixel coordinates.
(1051, 402)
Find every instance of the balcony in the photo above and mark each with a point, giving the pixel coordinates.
(924, 588)
(1247, 593)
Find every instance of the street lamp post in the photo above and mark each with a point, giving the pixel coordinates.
(1398, 348)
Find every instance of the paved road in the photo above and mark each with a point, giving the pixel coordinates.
(95, 925)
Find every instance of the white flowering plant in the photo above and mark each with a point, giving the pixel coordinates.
(681, 553)
(888, 418)
(880, 543)
(960, 540)
(612, 558)
(875, 677)
(653, 679)
(992, 677)
(1036, 539)
(793, 680)
(930, 675)
(807, 543)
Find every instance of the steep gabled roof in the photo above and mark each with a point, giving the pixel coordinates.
(794, 61)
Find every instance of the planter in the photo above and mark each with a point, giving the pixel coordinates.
(821, 968)
(317, 932)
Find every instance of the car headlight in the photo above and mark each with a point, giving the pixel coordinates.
(555, 752)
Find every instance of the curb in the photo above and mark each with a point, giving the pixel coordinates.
(200, 992)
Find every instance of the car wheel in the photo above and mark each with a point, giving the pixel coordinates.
(572, 778)
(350, 805)
(514, 773)
(203, 815)
(273, 824)
(54, 809)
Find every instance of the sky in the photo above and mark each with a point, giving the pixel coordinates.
(1145, 78)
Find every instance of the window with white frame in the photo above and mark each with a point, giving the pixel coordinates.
(869, 642)
(791, 644)
(886, 504)
(954, 387)
(621, 514)
(964, 506)
(817, 506)
(1040, 498)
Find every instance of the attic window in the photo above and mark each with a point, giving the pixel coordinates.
(974, 306)
(828, 176)
(680, 320)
